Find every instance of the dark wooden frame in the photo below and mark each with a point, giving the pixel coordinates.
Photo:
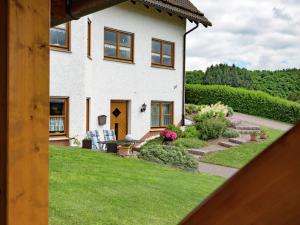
(66, 48)
(66, 117)
(89, 38)
(161, 64)
(88, 111)
(161, 114)
(117, 58)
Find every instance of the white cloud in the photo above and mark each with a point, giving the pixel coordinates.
(256, 34)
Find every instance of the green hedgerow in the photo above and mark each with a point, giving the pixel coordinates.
(245, 101)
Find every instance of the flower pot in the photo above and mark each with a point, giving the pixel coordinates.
(263, 136)
(124, 151)
(87, 144)
(253, 138)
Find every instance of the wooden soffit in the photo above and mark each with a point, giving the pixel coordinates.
(65, 10)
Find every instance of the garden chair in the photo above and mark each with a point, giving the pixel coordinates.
(95, 138)
(110, 136)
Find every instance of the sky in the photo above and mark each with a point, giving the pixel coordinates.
(254, 34)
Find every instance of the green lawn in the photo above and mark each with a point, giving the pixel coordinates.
(240, 156)
(92, 188)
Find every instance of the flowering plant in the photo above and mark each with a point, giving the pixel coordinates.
(217, 110)
(168, 135)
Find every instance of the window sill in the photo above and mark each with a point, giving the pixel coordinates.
(162, 67)
(57, 49)
(157, 129)
(60, 138)
(118, 60)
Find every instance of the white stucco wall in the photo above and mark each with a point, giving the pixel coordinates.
(75, 76)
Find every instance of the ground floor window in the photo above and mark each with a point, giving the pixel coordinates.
(58, 121)
(161, 114)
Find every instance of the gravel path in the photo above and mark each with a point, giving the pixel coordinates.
(264, 122)
(217, 170)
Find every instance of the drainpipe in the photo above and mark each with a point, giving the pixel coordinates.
(183, 73)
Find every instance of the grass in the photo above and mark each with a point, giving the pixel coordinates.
(92, 188)
(239, 156)
(189, 143)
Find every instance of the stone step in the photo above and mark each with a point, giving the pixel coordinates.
(252, 128)
(228, 144)
(237, 141)
(197, 152)
(246, 131)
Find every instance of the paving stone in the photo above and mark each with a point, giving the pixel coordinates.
(238, 140)
(228, 144)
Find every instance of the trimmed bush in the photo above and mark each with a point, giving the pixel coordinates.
(231, 133)
(245, 101)
(211, 128)
(169, 155)
(191, 132)
(189, 143)
(175, 129)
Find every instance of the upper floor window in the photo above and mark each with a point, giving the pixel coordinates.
(118, 45)
(89, 36)
(60, 36)
(162, 53)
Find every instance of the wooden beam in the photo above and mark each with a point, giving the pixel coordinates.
(79, 8)
(24, 112)
(266, 191)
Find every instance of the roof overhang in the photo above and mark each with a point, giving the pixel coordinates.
(183, 12)
(65, 10)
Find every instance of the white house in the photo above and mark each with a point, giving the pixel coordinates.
(125, 64)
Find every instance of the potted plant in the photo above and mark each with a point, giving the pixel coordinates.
(263, 134)
(168, 136)
(124, 148)
(87, 142)
(253, 136)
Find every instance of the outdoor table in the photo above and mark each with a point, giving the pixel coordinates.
(112, 146)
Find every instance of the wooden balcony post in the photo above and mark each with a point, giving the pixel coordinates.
(24, 110)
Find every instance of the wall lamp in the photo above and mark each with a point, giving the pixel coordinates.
(144, 107)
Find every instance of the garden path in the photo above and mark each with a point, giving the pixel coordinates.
(264, 122)
(216, 170)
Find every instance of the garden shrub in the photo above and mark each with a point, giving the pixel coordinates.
(189, 143)
(211, 128)
(231, 133)
(169, 155)
(175, 129)
(245, 101)
(192, 109)
(217, 110)
(230, 111)
(191, 132)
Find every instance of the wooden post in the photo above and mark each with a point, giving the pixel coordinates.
(24, 89)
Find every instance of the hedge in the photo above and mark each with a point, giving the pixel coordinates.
(245, 101)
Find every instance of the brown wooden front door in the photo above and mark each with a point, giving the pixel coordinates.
(118, 118)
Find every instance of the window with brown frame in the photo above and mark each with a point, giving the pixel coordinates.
(118, 45)
(88, 114)
(162, 53)
(161, 114)
(60, 37)
(89, 33)
(58, 121)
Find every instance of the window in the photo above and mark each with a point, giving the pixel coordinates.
(162, 53)
(89, 33)
(60, 36)
(118, 45)
(87, 121)
(58, 121)
(161, 114)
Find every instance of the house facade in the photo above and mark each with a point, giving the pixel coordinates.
(121, 69)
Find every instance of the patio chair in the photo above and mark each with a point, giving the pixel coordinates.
(110, 136)
(95, 137)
